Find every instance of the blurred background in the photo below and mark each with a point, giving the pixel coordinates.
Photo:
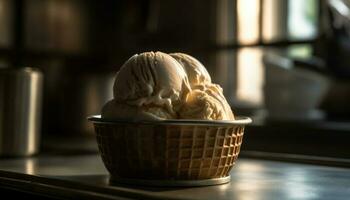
(283, 62)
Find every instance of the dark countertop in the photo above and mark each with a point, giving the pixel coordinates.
(84, 177)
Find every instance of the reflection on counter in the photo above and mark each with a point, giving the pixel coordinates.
(30, 166)
(251, 179)
(300, 189)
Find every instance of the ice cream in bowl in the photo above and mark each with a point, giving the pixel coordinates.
(168, 124)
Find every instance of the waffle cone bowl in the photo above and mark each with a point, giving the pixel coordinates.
(169, 152)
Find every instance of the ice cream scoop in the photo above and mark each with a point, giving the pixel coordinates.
(206, 100)
(149, 85)
(156, 86)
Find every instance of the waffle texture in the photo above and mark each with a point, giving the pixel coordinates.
(179, 152)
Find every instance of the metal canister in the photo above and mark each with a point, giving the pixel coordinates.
(20, 111)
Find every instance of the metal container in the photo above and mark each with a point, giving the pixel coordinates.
(20, 111)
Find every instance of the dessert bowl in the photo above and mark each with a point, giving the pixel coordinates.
(177, 152)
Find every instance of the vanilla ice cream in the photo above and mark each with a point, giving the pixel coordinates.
(196, 72)
(206, 100)
(156, 86)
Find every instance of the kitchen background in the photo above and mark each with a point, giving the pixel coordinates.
(277, 60)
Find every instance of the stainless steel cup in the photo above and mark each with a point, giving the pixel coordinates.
(20, 111)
